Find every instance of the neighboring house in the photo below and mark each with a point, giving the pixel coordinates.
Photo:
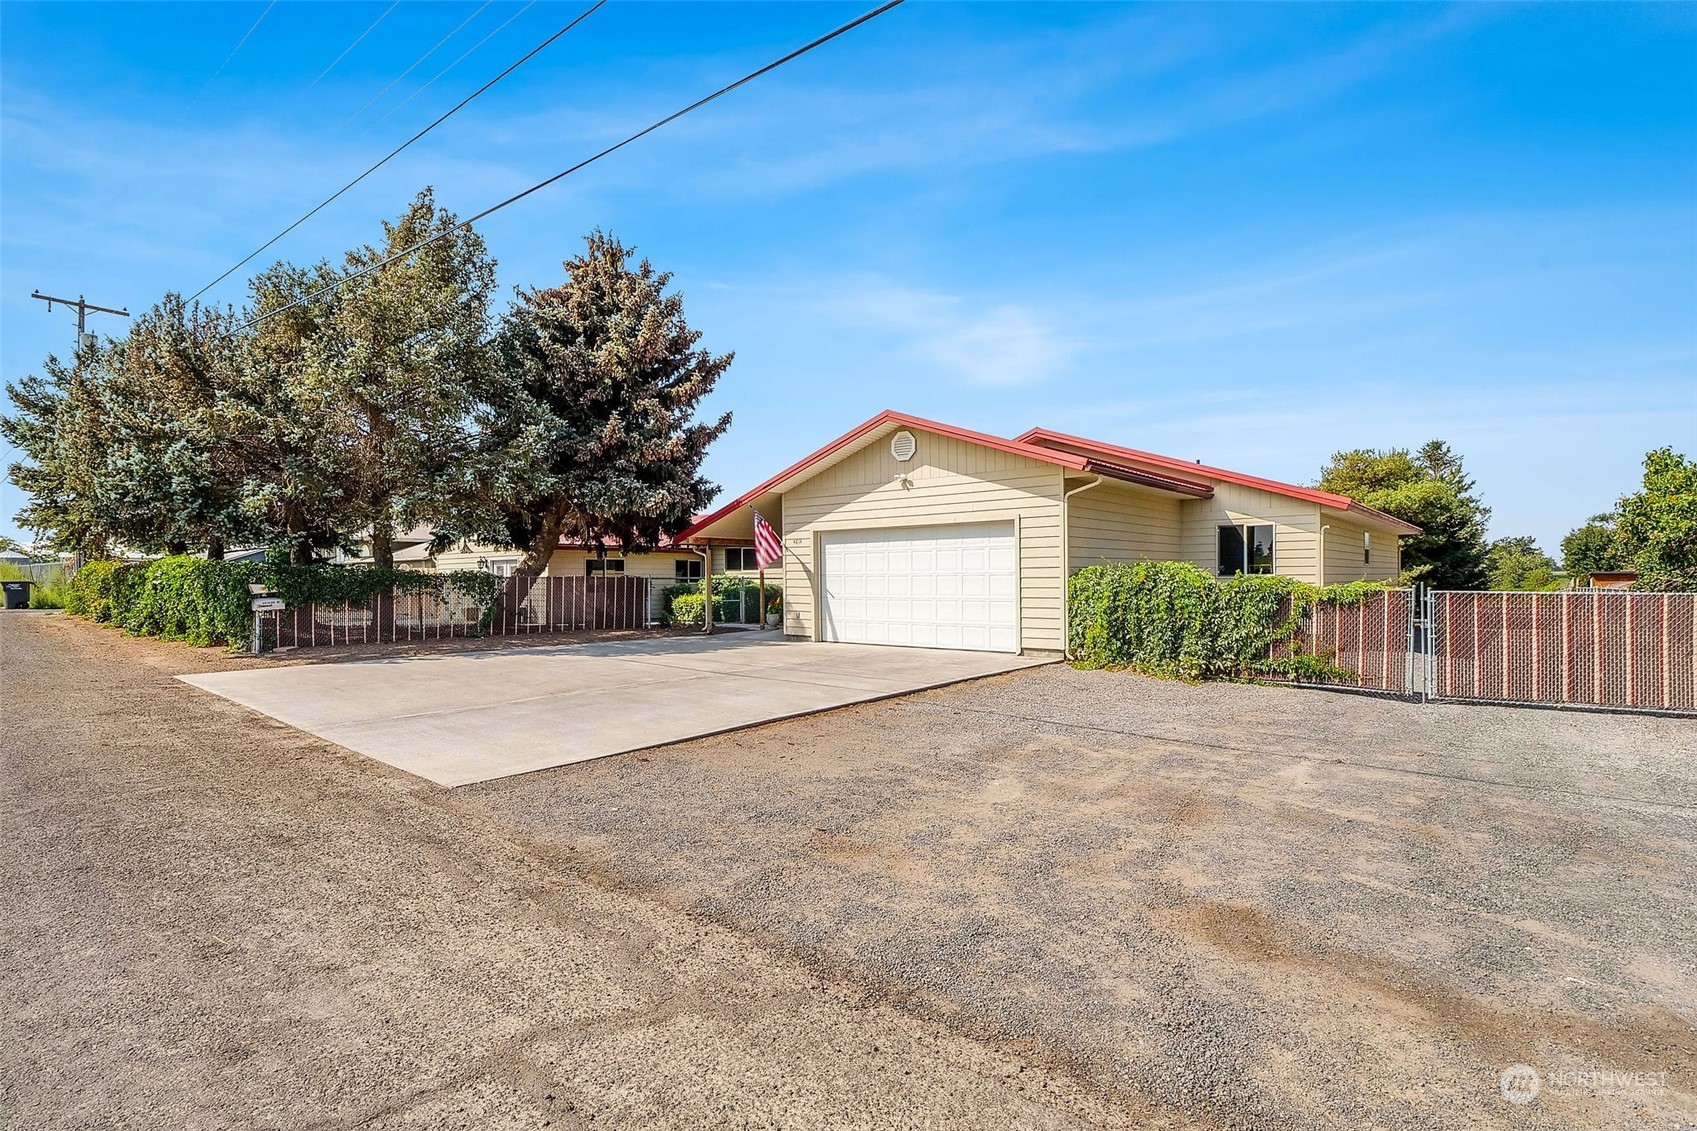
(410, 549)
(1612, 579)
(907, 531)
(572, 558)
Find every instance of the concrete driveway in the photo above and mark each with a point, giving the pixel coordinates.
(473, 716)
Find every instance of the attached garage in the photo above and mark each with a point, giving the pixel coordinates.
(954, 586)
(913, 533)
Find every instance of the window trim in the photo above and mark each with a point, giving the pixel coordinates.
(1366, 547)
(686, 569)
(745, 554)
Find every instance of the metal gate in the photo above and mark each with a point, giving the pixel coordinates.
(1371, 642)
(1585, 648)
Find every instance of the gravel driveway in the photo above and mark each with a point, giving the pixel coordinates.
(1052, 899)
(1257, 907)
(210, 920)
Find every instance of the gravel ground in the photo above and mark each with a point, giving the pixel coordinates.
(1257, 907)
(211, 920)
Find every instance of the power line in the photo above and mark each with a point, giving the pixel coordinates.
(240, 43)
(391, 112)
(420, 59)
(585, 14)
(516, 197)
(351, 46)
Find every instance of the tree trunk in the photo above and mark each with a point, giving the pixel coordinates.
(536, 557)
(215, 548)
(300, 542)
(541, 551)
(383, 545)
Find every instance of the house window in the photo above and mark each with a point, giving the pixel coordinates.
(1367, 548)
(1245, 549)
(740, 558)
(599, 567)
(687, 569)
(501, 567)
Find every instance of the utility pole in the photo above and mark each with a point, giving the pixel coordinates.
(83, 308)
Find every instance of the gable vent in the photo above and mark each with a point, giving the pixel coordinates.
(902, 445)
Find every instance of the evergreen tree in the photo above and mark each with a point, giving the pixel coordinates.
(58, 427)
(1431, 490)
(386, 369)
(590, 426)
(174, 466)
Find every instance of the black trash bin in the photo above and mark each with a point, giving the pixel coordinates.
(17, 593)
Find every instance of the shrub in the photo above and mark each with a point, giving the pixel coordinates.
(90, 591)
(1172, 619)
(207, 602)
(686, 609)
(731, 595)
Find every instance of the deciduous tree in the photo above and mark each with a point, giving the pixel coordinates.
(1518, 564)
(1591, 548)
(1657, 527)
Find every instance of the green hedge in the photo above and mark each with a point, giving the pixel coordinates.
(90, 590)
(1172, 619)
(727, 600)
(206, 602)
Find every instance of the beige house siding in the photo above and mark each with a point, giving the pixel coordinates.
(1344, 555)
(1295, 535)
(954, 482)
(1110, 523)
(658, 566)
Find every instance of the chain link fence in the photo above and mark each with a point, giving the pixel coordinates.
(1597, 648)
(1371, 642)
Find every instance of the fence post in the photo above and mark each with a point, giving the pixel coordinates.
(1631, 653)
(1666, 698)
(1505, 646)
(1597, 649)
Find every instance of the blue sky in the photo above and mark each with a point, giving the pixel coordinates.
(1247, 234)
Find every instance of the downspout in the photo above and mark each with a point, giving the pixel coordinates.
(706, 586)
(1066, 562)
(1320, 557)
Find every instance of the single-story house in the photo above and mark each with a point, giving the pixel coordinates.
(666, 565)
(907, 531)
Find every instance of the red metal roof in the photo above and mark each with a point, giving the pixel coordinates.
(1087, 464)
(1097, 459)
(1044, 436)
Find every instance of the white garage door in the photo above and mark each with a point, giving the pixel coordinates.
(933, 587)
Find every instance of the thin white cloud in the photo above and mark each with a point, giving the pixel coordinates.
(976, 343)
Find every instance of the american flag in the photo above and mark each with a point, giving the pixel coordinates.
(767, 547)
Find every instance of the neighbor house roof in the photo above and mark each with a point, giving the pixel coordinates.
(567, 542)
(851, 442)
(1044, 437)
